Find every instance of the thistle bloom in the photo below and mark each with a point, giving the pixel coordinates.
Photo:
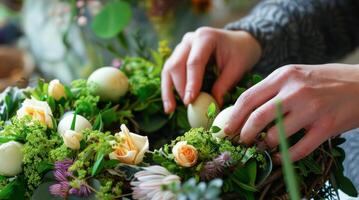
(148, 183)
(63, 188)
(215, 168)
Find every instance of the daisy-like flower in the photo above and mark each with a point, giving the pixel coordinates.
(148, 184)
(215, 168)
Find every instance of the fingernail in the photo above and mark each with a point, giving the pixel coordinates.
(228, 130)
(166, 106)
(187, 97)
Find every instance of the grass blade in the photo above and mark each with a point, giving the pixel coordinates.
(288, 169)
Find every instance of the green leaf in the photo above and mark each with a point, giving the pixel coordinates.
(112, 19)
(256, 79)
(151, 123)
(5, 139)
(98, 125)
(212, 110)
(14, 190)
(215, 129)
(96, 167)
(73, 123)
(288, 169)
(252, 171)
(109, 115)
(44, 167)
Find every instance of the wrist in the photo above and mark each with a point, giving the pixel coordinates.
(253, 46)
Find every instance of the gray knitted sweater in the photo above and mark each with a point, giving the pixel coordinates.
(306, 32)
(302, 31)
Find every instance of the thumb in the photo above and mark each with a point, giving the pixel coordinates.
(229, 77)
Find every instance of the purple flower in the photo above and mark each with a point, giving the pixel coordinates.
(61, 172)
(64, 165)
(60, 189)
(63, 176)
(83, 191)
(215, 168)
(116, 63)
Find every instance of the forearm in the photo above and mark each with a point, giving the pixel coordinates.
(297, 31)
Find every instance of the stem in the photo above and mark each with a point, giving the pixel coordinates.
(289, 174)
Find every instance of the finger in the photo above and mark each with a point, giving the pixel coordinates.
(259, 119)
(178, 72)
(201, 50)
(176, 64)
(168, 98)
(293, 122)
(311, 140)
(250, 100)
(228, 78)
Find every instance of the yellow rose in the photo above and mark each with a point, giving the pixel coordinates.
(56, 90)
(72, 139)
(185, 155)
(38, 110)
(131, 148)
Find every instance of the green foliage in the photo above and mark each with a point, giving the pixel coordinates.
(212, 111)
(192, 190)
(10, 101)
(112, 19)
(337, 179)
(14, 189)
(85, 102)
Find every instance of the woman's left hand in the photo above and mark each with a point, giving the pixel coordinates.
(322, 99)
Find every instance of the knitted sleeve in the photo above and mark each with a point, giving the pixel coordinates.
(302, 31)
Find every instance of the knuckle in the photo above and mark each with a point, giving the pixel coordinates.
(205, 32)
(316, 104)
(187, 37)
(258, 117)
(244, 99)
(194, 62)
(292, 71)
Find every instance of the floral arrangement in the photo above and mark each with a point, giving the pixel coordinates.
(107, 138)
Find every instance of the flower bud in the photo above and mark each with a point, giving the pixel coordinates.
(65, 123)
(72, 139)
(11, 156)
(56, 89)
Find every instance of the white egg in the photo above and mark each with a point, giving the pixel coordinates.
(11, 156)
(109, 83)
(221, 120)
(65, 123)
(197, 111)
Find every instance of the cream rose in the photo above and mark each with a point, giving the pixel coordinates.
(11, 156)
(38, 110)
(72, 139)
(131, 148)
(185, 155)
(56, 89)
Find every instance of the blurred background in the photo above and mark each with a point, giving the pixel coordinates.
(68, 39)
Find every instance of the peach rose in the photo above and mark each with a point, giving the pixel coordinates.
(185, 155)
(131, 148)
(38, 110)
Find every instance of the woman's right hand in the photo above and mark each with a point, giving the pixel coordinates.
(235, 52)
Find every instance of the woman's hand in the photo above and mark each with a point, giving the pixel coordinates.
(235, 52)
(322, 99)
